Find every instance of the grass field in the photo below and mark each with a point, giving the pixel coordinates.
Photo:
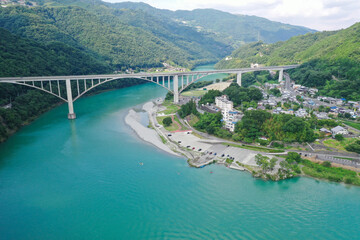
(173, 126)
(170, 107)
(353, 124)
(339, 145)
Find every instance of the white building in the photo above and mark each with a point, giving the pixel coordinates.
(230, 126)
(339, 130)
(301, 113)
(224, 103)
(231, 115)
(230, 118)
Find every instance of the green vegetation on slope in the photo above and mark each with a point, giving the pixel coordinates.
(329, 60)
(231, 29)
(123, 37)
(24, 57)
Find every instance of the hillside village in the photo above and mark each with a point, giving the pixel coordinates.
(279, 99)
(308, 103)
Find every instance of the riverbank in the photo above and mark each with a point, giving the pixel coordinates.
(199, 151)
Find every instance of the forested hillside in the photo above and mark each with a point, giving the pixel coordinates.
(24, 57)
(330, 60)
(232, 29)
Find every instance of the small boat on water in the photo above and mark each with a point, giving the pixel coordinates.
(141, 163)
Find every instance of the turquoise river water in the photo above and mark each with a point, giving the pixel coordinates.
(81, 179)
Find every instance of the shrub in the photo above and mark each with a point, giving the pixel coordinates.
(339, 137)
(326, 164)
(167, 121)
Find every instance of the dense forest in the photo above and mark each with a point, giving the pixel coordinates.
(232, 29)
(329, 60)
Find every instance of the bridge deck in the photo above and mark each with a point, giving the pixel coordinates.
(138, 75)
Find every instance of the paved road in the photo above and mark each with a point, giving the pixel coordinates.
(321, 156)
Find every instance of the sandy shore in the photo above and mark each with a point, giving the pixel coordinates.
(147, 134)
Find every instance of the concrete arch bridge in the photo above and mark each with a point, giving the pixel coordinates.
(175, 82)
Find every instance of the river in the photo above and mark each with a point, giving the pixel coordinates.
(81, 179)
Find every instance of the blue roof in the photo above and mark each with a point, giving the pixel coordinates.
(344, 99)
(333, 107)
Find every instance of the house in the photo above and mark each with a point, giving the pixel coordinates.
(339, 130)
(263, 138)
(334, 109)
(321, 115)
(301, 113)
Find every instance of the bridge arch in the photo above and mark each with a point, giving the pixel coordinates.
(113, 79)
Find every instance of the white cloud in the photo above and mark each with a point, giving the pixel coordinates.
(317, 14)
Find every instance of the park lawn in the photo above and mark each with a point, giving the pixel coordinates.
(173, 126)
(194, 93)
(353, 124)
(339, 145)
(170, 107)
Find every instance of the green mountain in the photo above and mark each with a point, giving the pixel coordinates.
(120, 37)
(232, 29)
(329, 60)
(24, 57)
(138, 35)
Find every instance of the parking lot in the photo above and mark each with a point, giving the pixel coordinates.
(215, 150)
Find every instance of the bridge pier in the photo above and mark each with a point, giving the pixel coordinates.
(71, 114)
(281, 75)
(238, 78)
(176, 88)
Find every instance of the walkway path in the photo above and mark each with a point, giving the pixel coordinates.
(176, 123)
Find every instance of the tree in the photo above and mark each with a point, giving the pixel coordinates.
(169, 96)
(167, 121)
(209, 97)
(265, 162)
(273, 162)
(187, 109)
(326, 164)
(339, 137)
(262, 161)
(276, 92)
(293, 157)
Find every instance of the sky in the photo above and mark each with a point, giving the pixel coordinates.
(315, 14)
